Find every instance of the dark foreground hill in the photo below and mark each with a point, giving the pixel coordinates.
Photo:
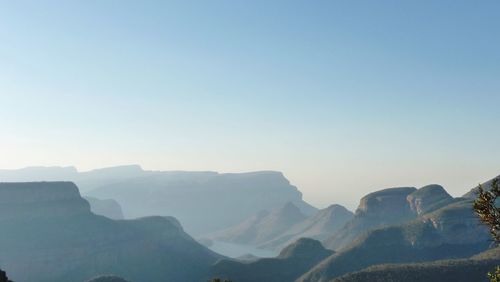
(459, 270)
(49, 234)
(289, 265)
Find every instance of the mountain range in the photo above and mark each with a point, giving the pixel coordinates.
(395, 234)
(50, 234)
(191, 197)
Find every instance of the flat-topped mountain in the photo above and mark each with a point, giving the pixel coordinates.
(48, 228)
(203, 201)
(289, 265)
(452, 231)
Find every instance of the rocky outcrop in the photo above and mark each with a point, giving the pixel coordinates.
(428, 198)
(50, 234)
(107, 207)
(386, 203)
(450, 232)
(289, 265)
(381, 208)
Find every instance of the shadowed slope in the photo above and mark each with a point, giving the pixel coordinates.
(49, 234)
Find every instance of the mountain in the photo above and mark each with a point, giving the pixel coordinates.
(107, 278)
(290, 264)
(262, 227)
(108, 207)
(50, 234)
(200, 200)
(486, 186)
(452, 231)
(318, 226)
(458, 270)
(38, 173)
(380, 208)
(203, 201)
(428, 198)
(387, 207)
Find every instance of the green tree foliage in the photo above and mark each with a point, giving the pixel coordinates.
(485, 207)
(488, 212)
(495, 276)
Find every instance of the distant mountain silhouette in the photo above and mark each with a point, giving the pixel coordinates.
(457, 270)
(263, 226)
(203, 201)
(318, 226)
(200, 200)
(108, 207)
(290, 264)
(50, 234)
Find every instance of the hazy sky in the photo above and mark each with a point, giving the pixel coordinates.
(344, 97)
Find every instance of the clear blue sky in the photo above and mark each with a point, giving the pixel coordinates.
(344, 97)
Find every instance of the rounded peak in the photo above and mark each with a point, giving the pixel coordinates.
(336, 207)
(304, 248)
(432, 189)
(107, 278)
(391, 191)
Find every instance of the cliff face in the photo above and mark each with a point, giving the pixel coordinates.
(384, 207)
(428, 198)
(107, 207)
(390, 207)
(204, 202)
(41, 200)
(200, 200)
(452, 231)
(49, 234)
